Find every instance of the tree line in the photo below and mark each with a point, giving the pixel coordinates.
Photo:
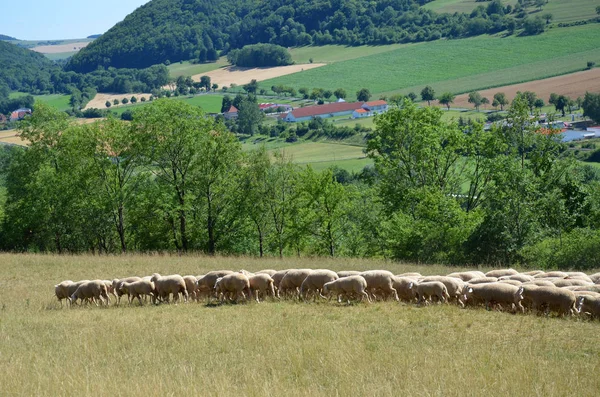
(174, 179)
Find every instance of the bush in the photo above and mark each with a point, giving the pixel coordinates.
(579, 249)
(258, 55)
(591, 64)
(93, 113)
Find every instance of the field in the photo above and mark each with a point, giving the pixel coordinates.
(190, 69)
(60, 48)
(452, 6)
(457, 65)
(274, 348)
(236, 75)
(99, 101)
(59, 101)
(572, 85)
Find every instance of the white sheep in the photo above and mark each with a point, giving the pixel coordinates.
(232, 285)
(292, 281)
(117, 282)
(261, 283)
(167, 285)
(92, 290)
(137, 289)
(313, 283)
(347, 287)
(380, 281)
(425, 291)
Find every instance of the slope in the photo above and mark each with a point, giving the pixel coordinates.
(21, 68)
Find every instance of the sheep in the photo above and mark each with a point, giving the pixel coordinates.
(555, 274)
(117, 282)
(314, 282)
(292, 281)
(206, 283)
(540, 283)
(402, 285)
(483, 280)
(94, 290)
(380, 280)
(466, 276)
(61, 290)
(246, 273)
(424, 291)
(555, 299)
(277, 277)
(595, 277)
(137, 289)
(511, 282)
(533, 273)
(499, 293)
(523, 278)
(167, 285)
(562, 282)
(591, 288)
(191, 285)
(232, 284)
(501, 273)
(347, 286)
(453, 285)
(589, 304)
(579, 275)
(346, 273)
(270, 272)
(261, 283)
(411, 275)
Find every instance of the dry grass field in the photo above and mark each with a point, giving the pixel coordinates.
(60, 48)
(274, 348)
(236, 75)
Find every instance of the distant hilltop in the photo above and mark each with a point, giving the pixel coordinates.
(5, 37)
(94, 36)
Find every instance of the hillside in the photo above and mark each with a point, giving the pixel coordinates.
(5, 37)
(174, 30)
(24, 70)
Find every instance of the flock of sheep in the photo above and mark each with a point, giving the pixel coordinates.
(504, 289)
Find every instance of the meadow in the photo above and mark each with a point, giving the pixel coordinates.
(456, 65)
(59, 101)
(190, 69)
(274, 348)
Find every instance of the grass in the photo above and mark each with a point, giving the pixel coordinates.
(60, 55)
(59, 101)
(458, 65)
(190, 69)
(452, 6)
(274, 348)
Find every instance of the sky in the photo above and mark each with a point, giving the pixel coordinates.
(65, 19)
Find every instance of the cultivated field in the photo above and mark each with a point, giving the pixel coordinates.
(572, 85)
(274, 348)
(60, 48)
(236, 75)
(189, 69)
(99, 101)
(457, 65)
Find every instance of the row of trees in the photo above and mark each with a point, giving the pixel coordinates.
(174, 179)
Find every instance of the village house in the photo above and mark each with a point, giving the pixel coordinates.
(232, 113)
(19, 114)
(353, 109)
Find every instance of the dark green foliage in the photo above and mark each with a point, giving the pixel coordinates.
(533, 26)
(259, 55)
(591, 106)
(25, 70)
(175, 30)
(8, 105)
(5, 37)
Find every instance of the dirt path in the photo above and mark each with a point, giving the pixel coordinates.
(572, 85)
(235, 75)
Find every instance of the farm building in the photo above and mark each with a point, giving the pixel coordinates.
(19, 114)
(363, 109)
(232, 113)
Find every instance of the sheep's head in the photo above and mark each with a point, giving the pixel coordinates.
(155, 277)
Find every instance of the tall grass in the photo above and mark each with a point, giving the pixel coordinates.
(274, 348)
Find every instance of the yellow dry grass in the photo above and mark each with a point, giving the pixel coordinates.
(239, 76)
(99, 101)
(60, 48)
(274, 348)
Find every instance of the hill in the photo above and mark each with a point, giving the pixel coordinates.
(24, 70)
(174, 30)
(5, 37)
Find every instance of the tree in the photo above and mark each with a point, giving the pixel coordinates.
(412, 96)
(327, 94)
(540, 3)
(539, 103)
(446, 99)
(340, 93)
(485, 102)
(205, 82)
(561, 103)
(476, 99)
(115, 102)
(500, 98)
(251, 87)
(215, 86)
(363, 95)
(107, 104)
(226, 103)
(133, 99)
(533, 26)
(249, 116)
(397, 99)
(598, 10)
(428, 94)
(591, 106)
(548, 17)
(530, 98)
(124, 101)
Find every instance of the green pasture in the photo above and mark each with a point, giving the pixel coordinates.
(59, 101)
(338, 53)
(36, 43)
(190, 69)
(458, 65)
(452, 6)
(60, 55)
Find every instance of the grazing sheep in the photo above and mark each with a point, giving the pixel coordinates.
(411, 275)
(246, 273)
(191, 285)
(234, 284)
(499, 293)
(511, 282)
(206, 283)
(117, 282)
(567, 282)
(533, 273)
(589, 305)
(380, 280)
(425, 291)
(346, 273)
(548, 299)
(167, 285)
(292, 281)
(314, 282)
(402, 285)
(590, 288)
(270, 272)
(261, 283)
(61, 290)
(277, 277)
(523, 278)
(454, 286)
(347, 287)
(501, 273)
(556, 274)
(92, 290)
(540, 283)
(483, 280)
(595, 277)
(579, 275)
(466, 276)
(137, 289)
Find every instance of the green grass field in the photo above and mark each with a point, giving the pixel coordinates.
(189, 69)
(452, 6)
(60, 55)
(274, 348)
(59, 101)
(458, 65)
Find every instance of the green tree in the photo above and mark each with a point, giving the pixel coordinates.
(251, 87)
(215, 86)
(363, 95)
(107, 104)
(412, 96)
(428, 94)
(533, 26)
(304, 92)
(124, 101)
(340, 93)
(548, 17)
(476, 99)
(530, 98)
(249, 116)
(115, 102)
(591, 106)
(226, 103)
(500, 98)
(397, 99)
(133, 99)
(205, 82)
(539, 103)
(446, 99)
(327, 94)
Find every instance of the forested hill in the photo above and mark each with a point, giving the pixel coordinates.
(21, 69)
(5, 37)
(174, 30)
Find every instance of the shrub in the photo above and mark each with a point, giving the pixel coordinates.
(258, 55)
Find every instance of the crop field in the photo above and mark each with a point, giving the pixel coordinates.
(190, 69)
(458, 65)
(274, 348)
